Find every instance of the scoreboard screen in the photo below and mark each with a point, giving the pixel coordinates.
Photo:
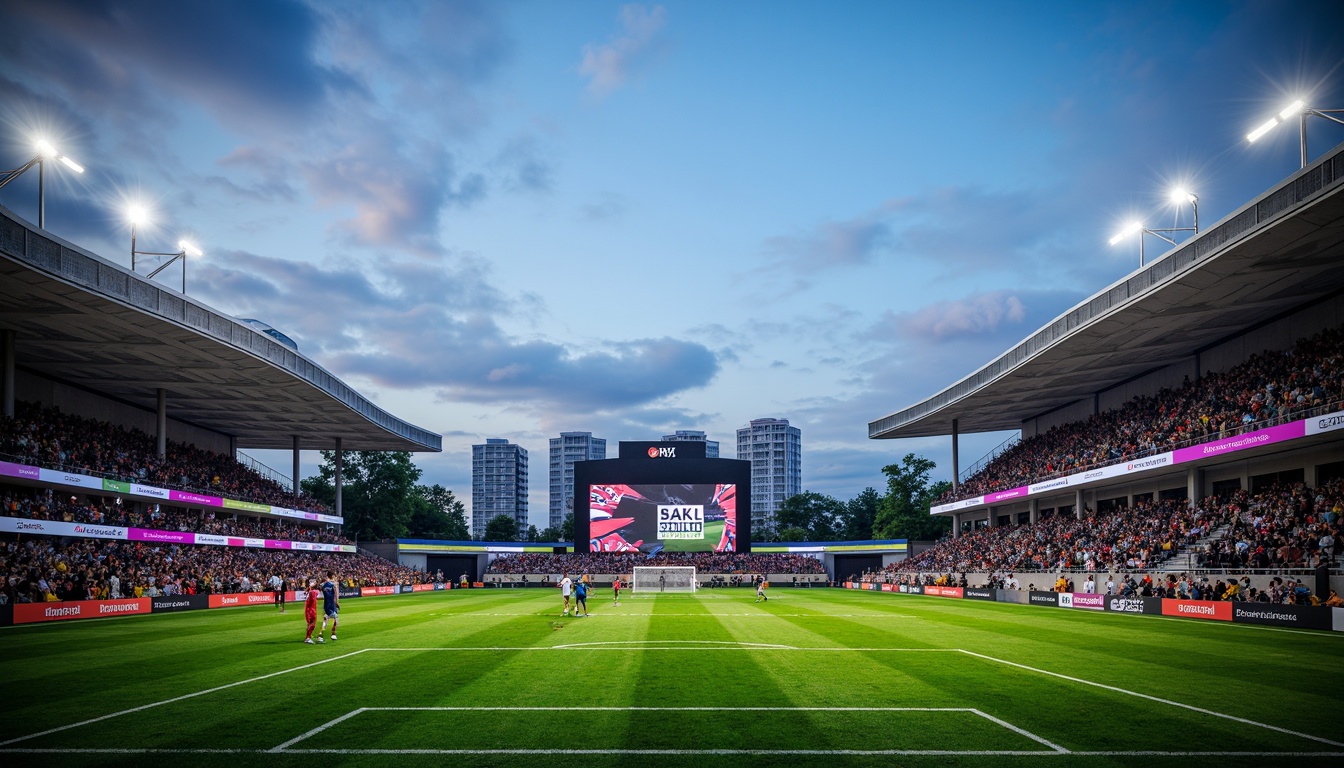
(696, 517)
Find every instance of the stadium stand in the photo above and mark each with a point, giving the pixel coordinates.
(46, 437)
(705, 562)
(1268, 389)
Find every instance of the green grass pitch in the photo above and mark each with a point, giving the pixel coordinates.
(814, 677)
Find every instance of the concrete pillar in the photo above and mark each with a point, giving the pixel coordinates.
(340, 466)
(162, 422)
(956, 524)
(1034, 511)
(993, 517)
(8, 339)
(1078, 503)
(296, 464)
(956, 460)
(1194, 485)
(233, 446)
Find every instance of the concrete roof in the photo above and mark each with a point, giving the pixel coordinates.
(1283, 250)
(88, 322)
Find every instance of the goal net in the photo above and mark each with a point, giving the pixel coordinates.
(680, 578)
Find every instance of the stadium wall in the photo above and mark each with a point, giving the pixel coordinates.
(1280, 334)
(81, 402)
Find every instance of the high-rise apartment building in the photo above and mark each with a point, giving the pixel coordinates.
(498, 484)
(695, 436)
(566, 449)
(775, 451)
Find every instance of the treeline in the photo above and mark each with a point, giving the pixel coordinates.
(901, 513)
(382, 498)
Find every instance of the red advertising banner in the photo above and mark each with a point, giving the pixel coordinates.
(366, 591)
(242, 598)
(943, 591)
(422, 587)
(28, 613)
(888, 587)
(1197, 609)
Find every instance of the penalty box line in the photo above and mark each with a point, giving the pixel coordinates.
(1157, 699)
(1055, 748)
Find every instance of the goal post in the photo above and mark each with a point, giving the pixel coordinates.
(670, 578)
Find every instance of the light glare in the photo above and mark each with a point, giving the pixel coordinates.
(72, 165)
(1130, 228)
(45, 149)
(1292, 109)
(137, 214)
(1262, 130)
(189, 249)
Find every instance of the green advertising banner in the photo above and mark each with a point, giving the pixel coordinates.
(116, 486)
(247, 506)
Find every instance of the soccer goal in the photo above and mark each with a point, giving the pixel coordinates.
(679, 578)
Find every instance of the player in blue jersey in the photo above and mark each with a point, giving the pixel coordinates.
(330, 605)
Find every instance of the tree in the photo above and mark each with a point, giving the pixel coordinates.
(567, 528)
(860, 514)
(502, 528)
(532, 533)
(815, 516)
(438, 515)
(904, 512)
(379, 496)
(549, 533)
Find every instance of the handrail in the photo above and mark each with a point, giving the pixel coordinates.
(1307, 413)
(993, 454)
(28, 461)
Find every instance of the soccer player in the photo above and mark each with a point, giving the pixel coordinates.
(310, 610)
(581, 598)
(616, 590)
(565, 586)
(330, 606)
(277, 586)
(760, 590)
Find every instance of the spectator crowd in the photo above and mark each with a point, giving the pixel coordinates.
(46, 504)
(1269, 388)
(46, 437)
(48, 570)
(610, 562)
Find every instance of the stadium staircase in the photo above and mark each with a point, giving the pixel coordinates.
(1185, 557)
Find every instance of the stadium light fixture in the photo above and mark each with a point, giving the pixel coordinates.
(45, 152)
(1302, 111)
(138, 215)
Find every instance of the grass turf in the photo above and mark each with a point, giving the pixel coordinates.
(812, 677)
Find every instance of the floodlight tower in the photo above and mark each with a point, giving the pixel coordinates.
(1179, 196)
(138, 216)
(1300, 109)
(45, 152)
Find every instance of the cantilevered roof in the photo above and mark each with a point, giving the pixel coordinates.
(82, 320)
(1283, 250)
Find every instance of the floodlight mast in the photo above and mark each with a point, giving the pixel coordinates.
(1177, 196)
(137, 216)
(1300, 109)
(44, 152)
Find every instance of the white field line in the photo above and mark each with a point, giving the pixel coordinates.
(1030, 753)
(704, 648)
(143, 707)
(1058, 749)
(697, 643)
(1169, 702)
(318, 729)
(1022, 731)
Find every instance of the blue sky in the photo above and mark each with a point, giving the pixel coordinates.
(515, 219)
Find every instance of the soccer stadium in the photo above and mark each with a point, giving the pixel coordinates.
(1147, 573)
(1214, 638)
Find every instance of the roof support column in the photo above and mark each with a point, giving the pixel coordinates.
(1034, 511)
(233, 446)
(8, 339)
(991, 517)
(162, 422)
(296, 465)
(956, 524)
(956, 462)
(340, 466)
(1078, 503)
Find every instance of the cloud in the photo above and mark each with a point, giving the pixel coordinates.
(973, 315)
(849, 242)
(430, 324)
(521, 167)
(609, 65)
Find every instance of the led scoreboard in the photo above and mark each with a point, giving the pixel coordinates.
(662, 496)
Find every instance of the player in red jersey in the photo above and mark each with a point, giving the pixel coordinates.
(616, 590)
(310, 610)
